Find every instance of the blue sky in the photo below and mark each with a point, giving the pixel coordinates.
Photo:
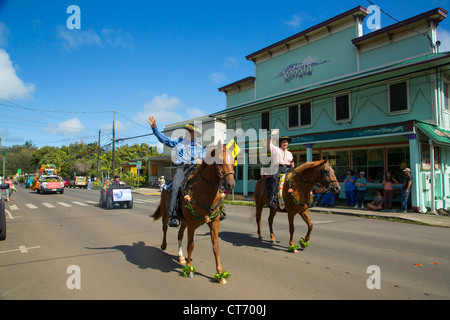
(142, 58)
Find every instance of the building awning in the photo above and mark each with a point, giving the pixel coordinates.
(438, 135)
(402, 128)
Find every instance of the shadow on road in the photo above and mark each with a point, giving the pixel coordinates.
(249, 240)
(145, 256)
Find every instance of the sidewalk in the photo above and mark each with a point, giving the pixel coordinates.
(432, 220)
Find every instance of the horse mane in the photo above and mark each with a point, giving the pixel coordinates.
(308, 165)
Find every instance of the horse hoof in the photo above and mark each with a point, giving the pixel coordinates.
(304, 243)
(223, 281)
(163, 247)
(182, 261)
(293, 248)
(190, 275)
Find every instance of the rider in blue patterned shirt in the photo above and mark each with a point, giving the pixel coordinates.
(188, 152)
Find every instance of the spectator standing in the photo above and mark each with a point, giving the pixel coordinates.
(388, 191)
(350, 188)
(360, 190)
(406, 189)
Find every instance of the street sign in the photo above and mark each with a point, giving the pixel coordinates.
(138, 164)
(236, 149)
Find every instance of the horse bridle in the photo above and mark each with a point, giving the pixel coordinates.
(221, 175)
(318, 184)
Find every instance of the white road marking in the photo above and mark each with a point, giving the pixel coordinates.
(79, 203)
(22, 249)
(64, 204)
(31, 206)
(10, 216)
(48, 205)
(14, 207)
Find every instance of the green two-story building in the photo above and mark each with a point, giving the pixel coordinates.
(375, 103)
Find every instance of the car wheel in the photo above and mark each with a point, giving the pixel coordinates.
(2, 222)
(130, 204)
(109, 203)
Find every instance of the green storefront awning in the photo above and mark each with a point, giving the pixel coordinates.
(438, 135)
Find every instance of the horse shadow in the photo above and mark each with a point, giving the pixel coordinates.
(147, 257)
(249, 240)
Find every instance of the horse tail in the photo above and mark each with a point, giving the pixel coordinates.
(157, 213)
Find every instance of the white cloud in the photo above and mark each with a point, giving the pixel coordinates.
(218, 78)
(298, 19)
(71, 126)
(73, 39)
(193, 113)
(4, 34)
(443, 36)
(165, 109)
(11, 86)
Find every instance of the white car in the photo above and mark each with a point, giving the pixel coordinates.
(50, 184)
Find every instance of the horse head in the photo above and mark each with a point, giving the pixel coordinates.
(224, 163)
(319, 173)
(328, 177)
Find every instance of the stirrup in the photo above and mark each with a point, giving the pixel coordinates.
(173, 222)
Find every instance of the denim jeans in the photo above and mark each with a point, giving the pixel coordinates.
(360, 195)
(178, 178)
(404, 200)
(351, 196)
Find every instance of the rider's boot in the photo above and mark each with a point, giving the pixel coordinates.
(173, 221)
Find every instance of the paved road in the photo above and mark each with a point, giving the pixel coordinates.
(52, 238)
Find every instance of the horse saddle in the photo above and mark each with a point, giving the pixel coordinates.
(279, 200)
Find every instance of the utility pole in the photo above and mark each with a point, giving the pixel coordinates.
(113, 142)
(98, 154)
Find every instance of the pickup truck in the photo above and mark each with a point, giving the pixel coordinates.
(50, 184)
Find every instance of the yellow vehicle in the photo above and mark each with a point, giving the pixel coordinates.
(80, 182)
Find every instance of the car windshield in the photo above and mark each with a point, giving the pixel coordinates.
(50, 178)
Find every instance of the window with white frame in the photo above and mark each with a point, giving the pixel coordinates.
(342, 107)
(446, 103)
(300, 115)
(398, 96)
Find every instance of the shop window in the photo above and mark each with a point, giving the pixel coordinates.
(342, 107)
(426, 159)
(371, 162)
(397, 160)
(293, 116)
(398, 96)
(265, 120)
(339, 161)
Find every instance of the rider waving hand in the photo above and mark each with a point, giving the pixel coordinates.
(188, 153)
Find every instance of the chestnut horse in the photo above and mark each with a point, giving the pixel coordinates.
(297, 196)
(201, 202)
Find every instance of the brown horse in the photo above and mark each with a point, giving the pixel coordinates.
(201, 202)
(297, 196)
